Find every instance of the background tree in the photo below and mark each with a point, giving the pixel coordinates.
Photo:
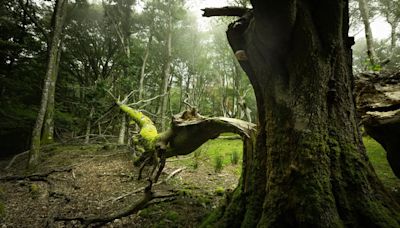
(58, 18)
(365, 16)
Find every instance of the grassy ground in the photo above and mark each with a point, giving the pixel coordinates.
(377, 156)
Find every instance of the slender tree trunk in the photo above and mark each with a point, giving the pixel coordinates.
(48, 127)
(393, 38)
(59, 14)
(121, 138)
(89, 126)
(143, 70)
(364, 10)
(166, 76)
(308, 166)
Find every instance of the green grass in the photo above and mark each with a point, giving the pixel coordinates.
(224, 148)
(377, 156)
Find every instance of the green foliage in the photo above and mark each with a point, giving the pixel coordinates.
(172, 216)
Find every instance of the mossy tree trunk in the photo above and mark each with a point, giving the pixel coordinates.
(48, 127)
(54, 48)
(308, 166)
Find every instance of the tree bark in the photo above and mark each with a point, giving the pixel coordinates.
(59, 12)
(48, 127)
(166, 74)
(143, 69)
(89, 126)
(364, 11)
(122, 130)
(308, 166)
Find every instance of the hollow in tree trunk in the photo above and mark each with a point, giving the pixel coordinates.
(309, 167)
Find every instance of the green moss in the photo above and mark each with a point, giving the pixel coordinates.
(219, 191)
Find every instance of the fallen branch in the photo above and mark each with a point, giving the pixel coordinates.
(36, 176)
(174, 173)
(14, 158)
(232, 11)
(131, 209)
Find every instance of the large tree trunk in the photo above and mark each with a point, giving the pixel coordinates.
(309, 167)
(59, 14)
(364, 11)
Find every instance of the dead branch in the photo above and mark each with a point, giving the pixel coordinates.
(232, 11)
(174, 173)
(146, 101)
(130, 209)
(36, 176)
(14, 158)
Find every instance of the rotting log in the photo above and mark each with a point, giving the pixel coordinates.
(378, 103)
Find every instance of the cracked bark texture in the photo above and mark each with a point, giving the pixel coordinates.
(308, 166)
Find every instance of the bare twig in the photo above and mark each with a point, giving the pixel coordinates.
(225, 11)
(146, 101)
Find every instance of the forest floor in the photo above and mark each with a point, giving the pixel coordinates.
(97, 180)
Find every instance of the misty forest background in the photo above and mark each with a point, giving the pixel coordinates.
(161, 51)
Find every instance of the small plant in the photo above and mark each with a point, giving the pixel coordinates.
(234, 157)
(34, 189)
(219, 191)
(195, 164)
(172, 216)
(218, 164)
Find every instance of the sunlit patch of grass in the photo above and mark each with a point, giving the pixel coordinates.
(224, 148)
(377, 156)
